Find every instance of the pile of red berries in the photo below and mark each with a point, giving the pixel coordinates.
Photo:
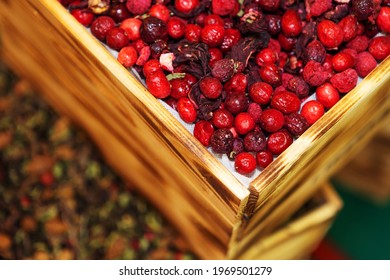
(242, 71)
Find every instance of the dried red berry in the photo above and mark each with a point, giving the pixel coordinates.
(362, 8)
(85, 17)
(221, 141)
(365, 63)
(236, 103)
(127, 56)
(312, 111)
(264, 158)
(176, 27)
(359, 43)
(349, 25)
(269, 5)
(328, 95)
(222, 7)
(237, 83)
(255, 141)
(186, 6)
(245, 163)
(117, 38)
(330, 34)
(271, 120)
(261, 92)
(212, 34)
(138, 7)
(271, 74)
(186, 110)
(152, 29)
(232, 36)
(345, 81)
(315, 74)
(379, 47)
(100, 26)
(266, 56)
(383, 19)
(255, 111)
(192, 33)
(158, 84)
(215, 55)
(314, 51)
(132, 27)
(287, 43)
(222, 118)
(211, 87)
(243, 123)
(296, 124)
(286, 102)
(298, 86)
(342, 61)
(179, 88)
(291, 23)
(118, 12)
(151, 66)
(319, 7)
(279, 141)
(160, 11)
(203, 130)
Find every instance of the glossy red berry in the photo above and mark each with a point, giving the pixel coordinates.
(291, 23)
(192, 33)
(379, 47)
(279, 141)
(383, 19)
(245, 163)
(186, 110)
(160, 11)
(118, 12)
(255, 111)
(232, 36)
(266, 56)
(236, 103)
(261, 92)
(264, 158)
(287, 43)
(203, 130)
(152, 65)
(176, 27)
(349, 25)
(128, 56)
(213, 19)
(237, 83)
(286, 102)
(158, 84)
(100, 26)
(342, 61)
(186, 6)
(215, 55)
(210, 87)
(312, 111)
(222, 118)
(132, 27)
(271, 120)
(330, 34)
(117, 38)
(179, 88)
(212, 35)
(365, 63)
(271, 74)
(328, 95)
(84, 17)
(243, 123)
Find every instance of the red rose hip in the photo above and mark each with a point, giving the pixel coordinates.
(211, 87)
(279, 141)
(330, 34)
(328, 95)
(243, 123)
(271, 120)
(203, 130)
(186, 110)
(264, 158)
(286, 102)
(245, 163)
(312, 111)
(291, 23)
(158, 84)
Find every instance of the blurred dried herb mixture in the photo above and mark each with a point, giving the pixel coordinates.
(58, 199)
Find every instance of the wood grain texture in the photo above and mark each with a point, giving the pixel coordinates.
(298, 238)
(138, 137)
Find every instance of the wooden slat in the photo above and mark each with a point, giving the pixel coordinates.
(137, 135)
(298, 238)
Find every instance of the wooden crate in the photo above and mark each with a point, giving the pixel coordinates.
(368, 173)
(298, 238)
(41, 41)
